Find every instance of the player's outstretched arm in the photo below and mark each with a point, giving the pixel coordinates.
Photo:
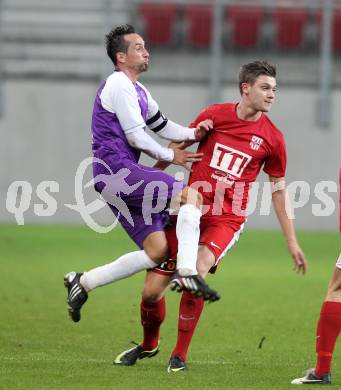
(172, 131)
(283, 211)
(162, 165)
(201, 131)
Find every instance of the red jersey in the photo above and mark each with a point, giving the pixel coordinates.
(234, 152)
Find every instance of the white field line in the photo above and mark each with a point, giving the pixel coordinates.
(91, 360)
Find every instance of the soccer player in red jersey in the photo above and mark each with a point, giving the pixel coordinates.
(328, 327)
(242, 141)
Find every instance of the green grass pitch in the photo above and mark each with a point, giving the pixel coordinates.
(41, 349)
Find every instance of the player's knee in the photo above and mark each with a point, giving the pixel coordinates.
(156, 248)
(192, 196)
(151, 294)
(203, 269)
(199, 199)
(157, 253)
(205, 261)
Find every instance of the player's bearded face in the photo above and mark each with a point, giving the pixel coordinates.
(137, 56)
(262, 93)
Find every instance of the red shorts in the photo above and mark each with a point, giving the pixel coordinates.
(218, 233)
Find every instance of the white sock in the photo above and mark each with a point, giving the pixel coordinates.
(125, 266)
(188, 232)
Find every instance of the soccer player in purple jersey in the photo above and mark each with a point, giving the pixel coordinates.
(123, 108)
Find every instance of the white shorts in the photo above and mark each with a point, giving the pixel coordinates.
(338, 262)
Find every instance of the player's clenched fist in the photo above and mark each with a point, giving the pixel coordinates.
(203, 128)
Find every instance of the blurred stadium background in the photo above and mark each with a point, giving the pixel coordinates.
(53, 59)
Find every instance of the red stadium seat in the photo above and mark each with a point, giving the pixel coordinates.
(246, 23)
(289, 24)
(199, 19)
(336, 28)
(159, 20)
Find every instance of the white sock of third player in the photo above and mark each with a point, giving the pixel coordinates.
(188, 233)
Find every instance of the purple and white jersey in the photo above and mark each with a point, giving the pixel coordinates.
(121, 107)
(132, 191)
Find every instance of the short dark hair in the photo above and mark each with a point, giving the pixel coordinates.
(115, 41)
(250, 72)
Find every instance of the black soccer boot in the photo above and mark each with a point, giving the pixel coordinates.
(130, 356)
(76, 295)
(195, 284)
(176, 364)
